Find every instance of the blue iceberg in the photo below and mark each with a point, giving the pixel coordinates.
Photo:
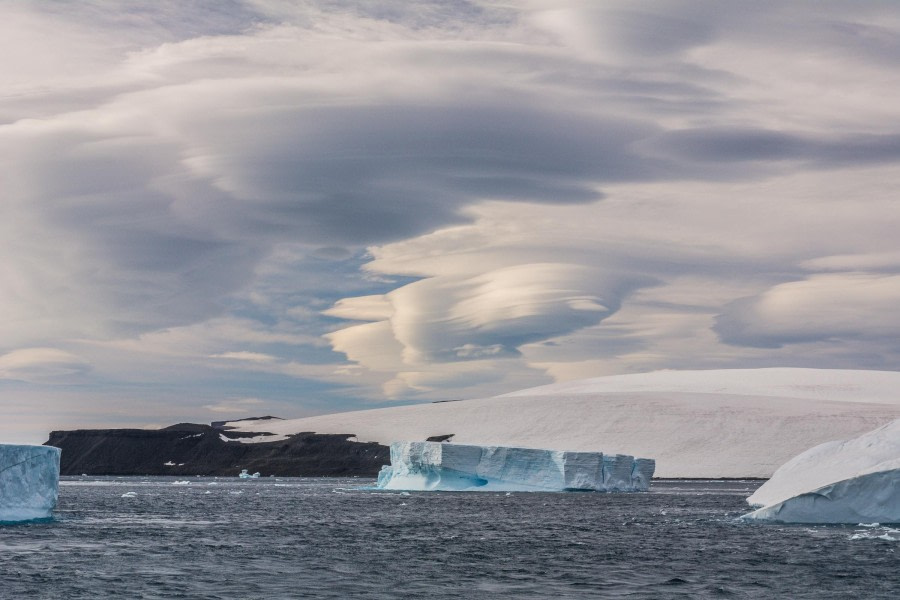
(420, 466)
(29, 482)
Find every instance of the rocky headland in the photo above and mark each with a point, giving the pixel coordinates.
(195, 449)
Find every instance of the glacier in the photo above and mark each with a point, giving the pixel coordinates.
(29, 482)
(849, 481)
(731, 423)
(421, 466)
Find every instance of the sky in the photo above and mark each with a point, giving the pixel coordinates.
(220, 209)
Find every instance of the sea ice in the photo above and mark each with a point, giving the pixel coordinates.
(448, 466)
(851, 481)
(29, 482)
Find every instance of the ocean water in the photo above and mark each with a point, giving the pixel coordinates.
(332, 538)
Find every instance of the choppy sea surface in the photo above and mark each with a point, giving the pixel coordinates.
(333, 538)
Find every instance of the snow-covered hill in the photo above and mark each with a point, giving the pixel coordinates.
(718, 423)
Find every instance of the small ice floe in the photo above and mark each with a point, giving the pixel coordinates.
(877, 532)
(185, 482)
(129, 495)
(245, 475)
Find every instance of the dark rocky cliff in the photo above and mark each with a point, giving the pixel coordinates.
(193, 449)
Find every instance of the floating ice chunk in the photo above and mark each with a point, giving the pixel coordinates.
(129, 495)
(444, 466)
(852, 481)
(181, 483)
(29, 482)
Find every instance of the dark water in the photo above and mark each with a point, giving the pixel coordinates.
(328, 538)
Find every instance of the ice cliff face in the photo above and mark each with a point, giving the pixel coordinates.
(29, 482)
(848, 481)
(447, 466)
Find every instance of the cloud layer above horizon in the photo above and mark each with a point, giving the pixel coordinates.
(297, 207)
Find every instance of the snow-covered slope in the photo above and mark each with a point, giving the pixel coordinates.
(720, 423)
(878, 387)
(837, 482)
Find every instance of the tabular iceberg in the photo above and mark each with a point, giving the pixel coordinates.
(458, 467)
(29, 482)
(850, 481)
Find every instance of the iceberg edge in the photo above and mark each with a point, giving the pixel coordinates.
(29, 482)
(872, 497)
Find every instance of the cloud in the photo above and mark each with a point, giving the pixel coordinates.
(237, 406)
(876, 262)
(254, 357)
(42, 365)
(463, 197)
(303, 125)
(450, 316)
(362, 308)
(829, 306)
(716, 145)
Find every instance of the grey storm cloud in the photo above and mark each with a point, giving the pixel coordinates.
(114, 257)
(723, 145)
(376, 173)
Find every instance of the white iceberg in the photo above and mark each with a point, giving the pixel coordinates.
(29, 482)
(851, 481)
(458, 467)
